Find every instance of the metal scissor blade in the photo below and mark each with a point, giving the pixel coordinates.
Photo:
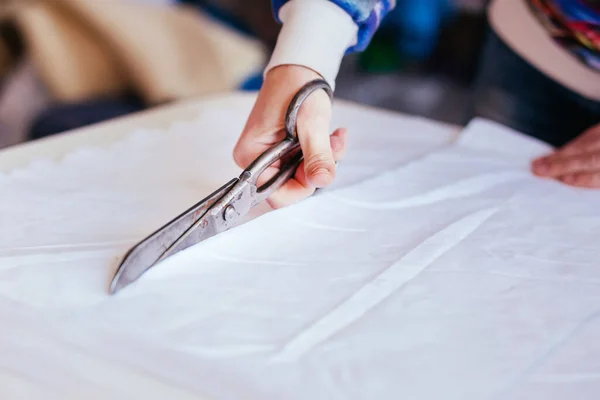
(151, 250)
(194, 235)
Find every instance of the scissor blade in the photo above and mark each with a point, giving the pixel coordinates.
(204, 230)
(149, 251)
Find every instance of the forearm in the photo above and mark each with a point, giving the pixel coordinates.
(318, 33)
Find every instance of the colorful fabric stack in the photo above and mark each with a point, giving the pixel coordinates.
(574, 24)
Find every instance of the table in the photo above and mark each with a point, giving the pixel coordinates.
(368, 136)
(466, 276)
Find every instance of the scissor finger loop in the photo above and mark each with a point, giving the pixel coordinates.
(291, 116)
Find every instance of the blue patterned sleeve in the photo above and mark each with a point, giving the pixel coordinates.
(367, 14)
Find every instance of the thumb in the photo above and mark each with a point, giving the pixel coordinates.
(314, 118)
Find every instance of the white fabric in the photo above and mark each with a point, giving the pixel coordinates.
(315, 34)
(453, 275)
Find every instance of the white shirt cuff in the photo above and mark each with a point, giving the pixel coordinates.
(315, 34)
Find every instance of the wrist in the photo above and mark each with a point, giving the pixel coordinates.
(288, 73)
(315, 35)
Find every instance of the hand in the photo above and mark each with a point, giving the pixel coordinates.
(576, 164)
(265, 127)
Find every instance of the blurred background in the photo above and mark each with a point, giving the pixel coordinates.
(65, 64)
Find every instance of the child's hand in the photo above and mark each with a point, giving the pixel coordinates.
(265, 127)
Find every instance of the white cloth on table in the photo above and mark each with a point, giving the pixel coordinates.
(454, 274)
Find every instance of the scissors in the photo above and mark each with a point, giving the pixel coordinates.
(222, 209)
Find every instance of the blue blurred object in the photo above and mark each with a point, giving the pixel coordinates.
(253, 83)
(418, 24)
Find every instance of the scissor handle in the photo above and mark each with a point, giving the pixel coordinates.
(292, 112)
(288, 147)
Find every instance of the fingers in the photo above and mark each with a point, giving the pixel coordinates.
(292, 191)
(338, 143)
(583, 179)
(249, 147)
(587, 142)
(338, 147)
(576, 164)
(580, 169)
(558, 164)
(300, 187)
(264, 128)
(313, 134)
(583, 144)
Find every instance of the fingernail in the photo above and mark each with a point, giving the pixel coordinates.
(321, 177)
(336, 144)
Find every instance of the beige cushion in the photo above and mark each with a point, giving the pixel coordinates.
(87, 48)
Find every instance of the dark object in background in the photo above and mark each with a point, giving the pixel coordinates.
(420, 63)
(512, 92)
(254, 18)
(13, 45)
(459, 47)
(9, 34)
(429, 37)
(71, 116)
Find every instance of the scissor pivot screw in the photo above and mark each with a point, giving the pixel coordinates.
(229, 213)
